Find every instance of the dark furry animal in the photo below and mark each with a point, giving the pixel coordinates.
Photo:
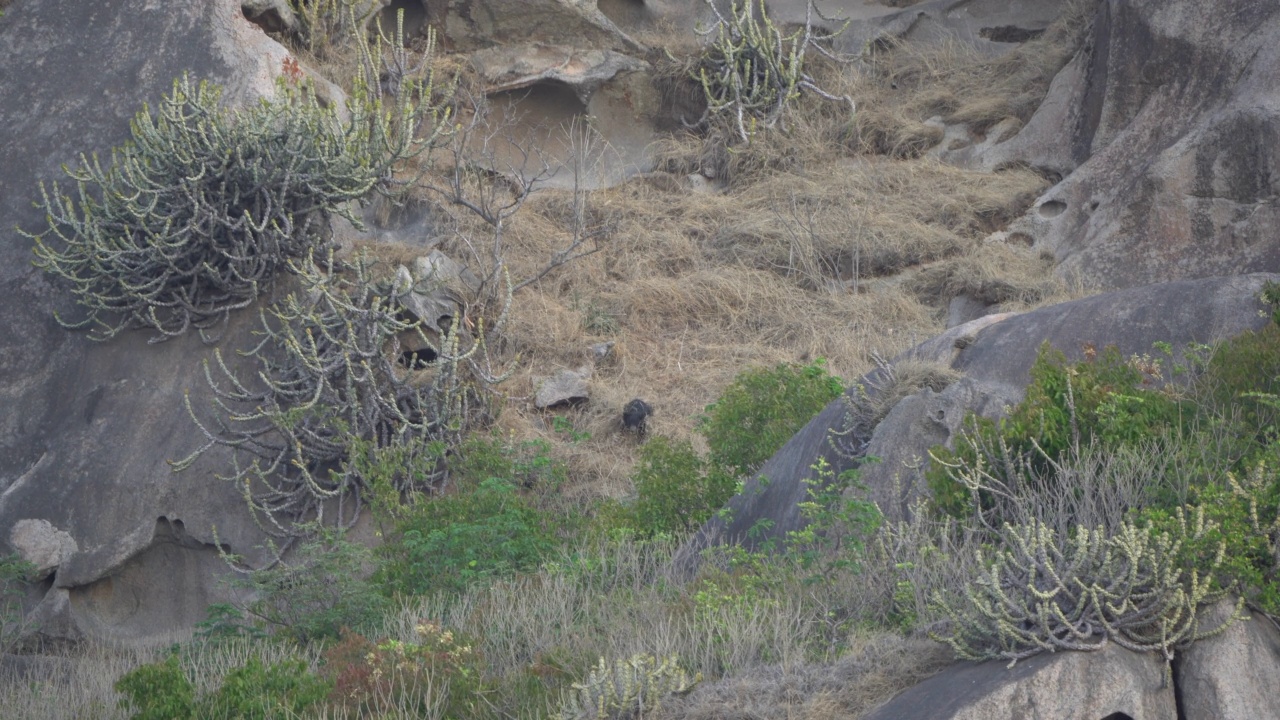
(634, 415)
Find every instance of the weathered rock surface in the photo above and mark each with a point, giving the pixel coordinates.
(565, 387)
(86, 429)
(994, 355)
(1166, 131)
(1106, 684)
(1231, 675)
(474, 24)
(992, 26)
(41, 544)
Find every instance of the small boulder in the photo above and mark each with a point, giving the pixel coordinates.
(567, 387)
(41, 544)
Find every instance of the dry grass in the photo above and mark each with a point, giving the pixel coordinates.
(877, 667)
(832, 238)
(912, 83)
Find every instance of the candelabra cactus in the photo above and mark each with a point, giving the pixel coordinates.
(198, 212)
(751, 71)
(627, 689)
(1043, 591)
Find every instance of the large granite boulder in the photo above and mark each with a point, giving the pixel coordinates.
(1233, 674)
(87, 428)
(1107, 684)
(992, 357)
(1165, 130)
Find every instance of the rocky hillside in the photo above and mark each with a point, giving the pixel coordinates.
(945, 186)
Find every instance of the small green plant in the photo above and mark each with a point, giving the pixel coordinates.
(14, 576)
(256, 691)
(751, 72)
(629, 689)
(159, 691)
(837, 524)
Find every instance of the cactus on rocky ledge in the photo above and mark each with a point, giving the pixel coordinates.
(1042, 591)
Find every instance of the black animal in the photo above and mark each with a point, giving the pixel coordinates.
(634, 415)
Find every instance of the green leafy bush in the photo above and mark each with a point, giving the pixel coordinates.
(1106, 398)
(159, 691)
(473, 534)
(676, 491)
(323, 589)
(761, 410)
(254, 691)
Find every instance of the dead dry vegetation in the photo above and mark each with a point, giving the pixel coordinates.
(836, 238)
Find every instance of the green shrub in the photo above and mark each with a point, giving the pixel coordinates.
(1107, 399)
(264, 692)
(320, 591)
(15, 573)
(162, 691)
(473, 534)
(761, 410)
(675, 490)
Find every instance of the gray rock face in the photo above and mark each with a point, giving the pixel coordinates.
(86, 429)
(474, 24)
(1166, 130)
(1231, 675)
(994, 355)
(1108, 683)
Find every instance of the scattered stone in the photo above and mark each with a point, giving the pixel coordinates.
(601, 352)
(567, 387)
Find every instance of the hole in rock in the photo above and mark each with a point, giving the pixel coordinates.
(1118, 716)
(415, 17)
(623, 12)
(1051, 208)
(528, 130)
(1009, 34)
(417, 359)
